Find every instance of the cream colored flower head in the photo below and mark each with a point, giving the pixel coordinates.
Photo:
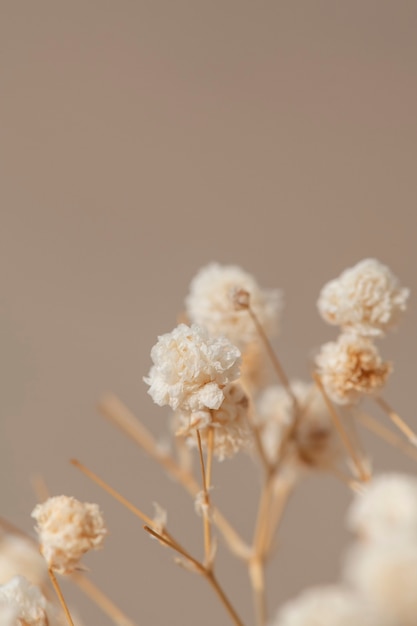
(67, 529)
(22, 603)
(191, 368)
(386, 576)
(386, 510)
(327, 606)
(229, 423)
(315, 442)
(350, 368)
(366, 298)
(212, 302)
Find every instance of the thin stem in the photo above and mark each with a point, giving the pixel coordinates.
(274, 359)
(257, 577)
(384, 433)
(101, 600)
(60, 596)
(206, 507)
(115, 494)
(209, 575)
(117, 412)
(204, 571)
(397, 420)
(363, 474)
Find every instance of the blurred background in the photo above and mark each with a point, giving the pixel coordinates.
(138, 142)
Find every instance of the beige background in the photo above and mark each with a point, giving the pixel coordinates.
(140, 140)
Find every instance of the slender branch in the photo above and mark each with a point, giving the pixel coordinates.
(384, 433)
(225, 600)
(397, 420)
(363, 474)
(257, 578)
(117, 412)
(206, 507)
(101, 600)
(60, 596)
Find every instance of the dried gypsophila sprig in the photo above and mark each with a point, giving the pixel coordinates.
(315, 442)
(229, 424)
(67, 529)
(211, 303)
(191, 368)
(22, 603)
(350, 368)
(366, 298)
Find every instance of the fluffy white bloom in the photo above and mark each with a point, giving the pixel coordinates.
(386, 510)
(23, 603)
(211, 302)
(386, 575)
(19, 555)
(351, 367)
(191, 368)
(229, 424)
(316, 443)
(366, 297)
(327, 606)
(67, 529)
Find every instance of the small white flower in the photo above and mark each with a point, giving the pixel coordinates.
(23, 603)
(191, 368)
(386, 575)
(67, 529)
(212, 303)
(350, 368)
(229, 424)
(366, 298)
(386, 510)
(315, 442)
(327, 606)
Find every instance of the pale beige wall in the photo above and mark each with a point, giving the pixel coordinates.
(140, 140)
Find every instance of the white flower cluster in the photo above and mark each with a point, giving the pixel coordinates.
(365, 301)
(68, 529)
(366, 298)
(229, 424)
(382, 566)
(191, 368)
(22, 603)
(351, 367)
(212, 303)
(315, 441)
(328, 606)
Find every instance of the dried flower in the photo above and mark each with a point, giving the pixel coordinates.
(327, 606)
(315, 442)
(351, 367)
(366, 298)
(67, 529)
(229, 424)
(19, 555)
(191, 368)
(22, 603)
(211, 303)
(386, 510)
(386, 575)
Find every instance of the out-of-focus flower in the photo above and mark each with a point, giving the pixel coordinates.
(315, 442)
(191, 368)
(212, 303)
(67, 529)
(327, 606)
(350, 368)
(229, 424)
(386, 575)
(386, 509)
(22, 603)
(366, 298)
(20, 555)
